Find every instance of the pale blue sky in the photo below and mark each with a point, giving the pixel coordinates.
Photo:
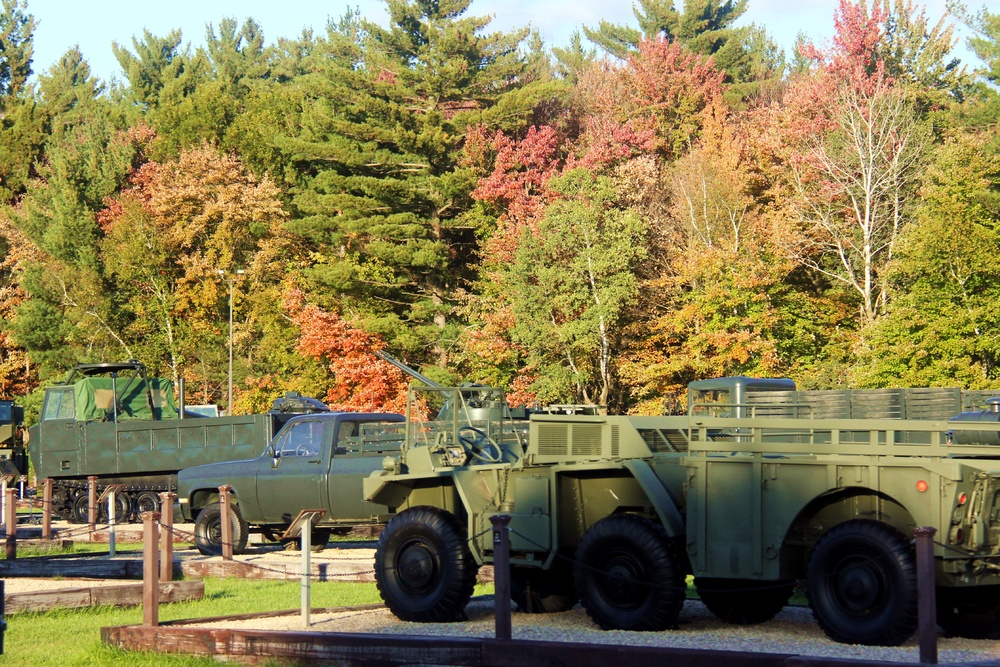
(95, 24)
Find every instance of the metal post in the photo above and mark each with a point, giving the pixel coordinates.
(92, 502)
(229, 409)
(501, 573)
(226, 520)
(47, 508)
(10, 520)
(111, 523)
(3, 498)
(167, 538)
(926, 595)
(150, 569)
(306, 542)
(3, 615)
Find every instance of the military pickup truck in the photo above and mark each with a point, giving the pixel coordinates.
(316, 461)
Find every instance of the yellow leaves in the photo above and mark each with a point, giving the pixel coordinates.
(207, 200)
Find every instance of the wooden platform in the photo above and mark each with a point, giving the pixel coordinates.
(366, 650)
(122, 595)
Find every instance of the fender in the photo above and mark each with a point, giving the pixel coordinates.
(663, 501)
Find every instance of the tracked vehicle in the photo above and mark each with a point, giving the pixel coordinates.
(756, 488)
(113, 422)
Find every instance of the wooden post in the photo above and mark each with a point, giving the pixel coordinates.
(167, 537)
(3, 613)
(10, 521)
(226, 518)
(150, 569)
(926, 595)
(92, 502)
(501, 574)
(47, 508)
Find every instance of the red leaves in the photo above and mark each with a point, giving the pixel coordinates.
(518, 184)
(361, 381)
(663, 90)
(854, 58)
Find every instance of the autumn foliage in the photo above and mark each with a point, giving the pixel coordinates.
(569, 227)
(360, 381)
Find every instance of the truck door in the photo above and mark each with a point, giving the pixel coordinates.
(360, 446)
(296, 478)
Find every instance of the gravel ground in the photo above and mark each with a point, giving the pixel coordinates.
(792, 631)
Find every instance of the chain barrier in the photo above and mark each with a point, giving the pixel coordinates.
(571, 562)
(190, 537)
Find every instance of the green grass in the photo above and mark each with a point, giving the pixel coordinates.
(73, 637)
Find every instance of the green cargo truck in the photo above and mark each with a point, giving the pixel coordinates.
(113, 422)
(757, 488)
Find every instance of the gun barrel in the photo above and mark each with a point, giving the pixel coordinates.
(385, 356)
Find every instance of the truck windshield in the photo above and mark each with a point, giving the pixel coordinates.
(59, 404)
(712, 403)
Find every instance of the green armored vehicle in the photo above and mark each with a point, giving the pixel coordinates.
(758, 487)
(113, 422)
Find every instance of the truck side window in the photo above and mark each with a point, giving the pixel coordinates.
(345, 432)
(303, 439)
(706, 403)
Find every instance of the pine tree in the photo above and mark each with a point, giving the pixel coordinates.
(383, 197)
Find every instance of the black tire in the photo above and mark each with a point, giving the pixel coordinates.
(972, 613)
(628, 575)
(208, 530)
(123, 509)
(147, 501)
(81, 508)
(744, 602)
(423, 567)
(862, 584)
(537, 591)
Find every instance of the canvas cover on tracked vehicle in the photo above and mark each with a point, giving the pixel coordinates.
(94, 399)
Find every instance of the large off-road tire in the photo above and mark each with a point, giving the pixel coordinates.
(742, 601)
(208, 530)
(629, 575)
(423, 566)
(862, 584)
(972, 613)
(81, 508)
(537, 591)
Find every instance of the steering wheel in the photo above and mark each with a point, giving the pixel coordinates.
(480, 445)
(303, 450)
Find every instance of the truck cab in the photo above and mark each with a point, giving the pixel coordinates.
(316, 461)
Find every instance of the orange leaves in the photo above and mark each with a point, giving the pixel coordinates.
(361, 381)
(661, 95)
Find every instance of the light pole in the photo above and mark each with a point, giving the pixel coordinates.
(231, 280)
